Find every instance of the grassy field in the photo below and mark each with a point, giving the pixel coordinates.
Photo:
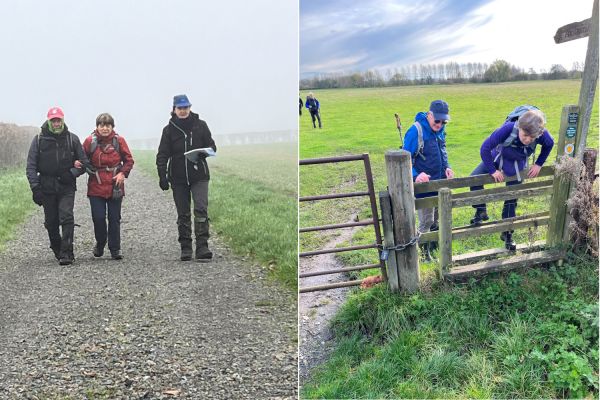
(15, 202)
(253, 203)
(524, 335)
(359, 121)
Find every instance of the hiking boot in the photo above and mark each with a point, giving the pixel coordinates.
(186, 253)
(66, 260)
(56, 251)
(98, 250)
(116, 255)
(201, 229)
(480, 216)
(425, 253)
(433, 245)
(509, 243)
(203, 254)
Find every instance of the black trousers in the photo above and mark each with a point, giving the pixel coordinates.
(58, 213)
(315, 115)
(182, 195)
(510, 206)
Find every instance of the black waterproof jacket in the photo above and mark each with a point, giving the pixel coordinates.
(50, 161)
(176, 139)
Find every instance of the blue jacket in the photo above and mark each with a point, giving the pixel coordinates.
(312, 104)
(518, 152)
(434, 149)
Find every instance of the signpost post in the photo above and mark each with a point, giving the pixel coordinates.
(575, 122)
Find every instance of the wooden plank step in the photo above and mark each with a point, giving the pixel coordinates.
(470, 258)
(504, 264)
(508, 224)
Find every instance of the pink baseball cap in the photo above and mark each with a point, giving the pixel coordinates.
(56, 112)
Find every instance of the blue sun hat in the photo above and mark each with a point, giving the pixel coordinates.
(181, 100)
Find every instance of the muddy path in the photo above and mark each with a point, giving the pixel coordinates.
(316, 309)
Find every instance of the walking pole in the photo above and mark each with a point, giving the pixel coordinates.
(399, 126)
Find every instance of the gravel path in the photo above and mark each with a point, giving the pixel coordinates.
(146, 327)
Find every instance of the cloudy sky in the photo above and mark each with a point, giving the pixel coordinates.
(352, 35)
(236, 60)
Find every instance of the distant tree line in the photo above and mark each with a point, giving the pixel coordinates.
(448, 73)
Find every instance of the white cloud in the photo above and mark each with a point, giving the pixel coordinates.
(522, 33)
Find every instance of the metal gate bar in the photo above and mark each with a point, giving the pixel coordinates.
(339, 270)
(336, 226)
(338, 250)
(374, 221)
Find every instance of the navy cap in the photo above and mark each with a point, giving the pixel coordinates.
(181, 100)
(440, 110)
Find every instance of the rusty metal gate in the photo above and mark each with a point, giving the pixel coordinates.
(373, 221)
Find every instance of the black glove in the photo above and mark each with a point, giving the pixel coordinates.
(38, 196)
(66, 178)
(164, 183)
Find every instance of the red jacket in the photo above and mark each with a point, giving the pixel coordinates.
(105, 158)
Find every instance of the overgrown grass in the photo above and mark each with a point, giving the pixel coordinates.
(15, 201)
(524, 335)
(253, 203)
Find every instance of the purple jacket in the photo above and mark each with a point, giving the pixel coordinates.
(518, 152)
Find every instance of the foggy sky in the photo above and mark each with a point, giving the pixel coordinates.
(236, 60)
(357, 35)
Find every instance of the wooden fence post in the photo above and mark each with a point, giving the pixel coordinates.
(445, 233)
(561, 187)
(388, 240)
(399, 173)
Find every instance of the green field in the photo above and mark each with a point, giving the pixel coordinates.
(252, 203)
(15, 202)
(423, 346)
(359, 121)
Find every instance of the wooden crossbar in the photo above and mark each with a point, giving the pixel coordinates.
(508, 224)
(506, 194)
(476, 256)
(468, 181)
(429, 202)
(503, 264)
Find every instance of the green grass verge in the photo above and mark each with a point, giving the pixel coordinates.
(253, 203)
(15, 202)
(532, 334)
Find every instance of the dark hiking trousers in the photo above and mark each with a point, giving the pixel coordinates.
(183, 194)
(58, 212)
(100, 206)
(510, 206)
(315, 115)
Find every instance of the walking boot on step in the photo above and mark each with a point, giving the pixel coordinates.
(425, 253)
(201, 229)
(509, 243)
(433, 246)
(480, 216)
